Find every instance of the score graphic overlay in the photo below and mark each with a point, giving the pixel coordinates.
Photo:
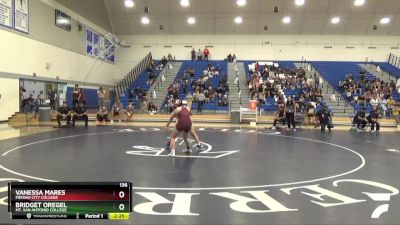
(72, 200)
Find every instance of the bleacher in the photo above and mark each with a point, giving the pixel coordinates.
(334, 72)
(270, 103)
(199, 67)
(141, 82)
(392, 70)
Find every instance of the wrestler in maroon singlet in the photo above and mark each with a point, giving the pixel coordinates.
(183, 125)
(184, 122)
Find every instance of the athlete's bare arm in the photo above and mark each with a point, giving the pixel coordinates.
(173, 115)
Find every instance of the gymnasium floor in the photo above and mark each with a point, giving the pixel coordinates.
(240, 176)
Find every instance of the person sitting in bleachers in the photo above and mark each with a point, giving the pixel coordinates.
(360, 119)
(280, 116)
(396, 112)
(29, 104)
(391, 103)
(102, 115)
(80, 113)
(138, 93)
(152, 108)
(151, 79)
(373, 118)
(64, 113)
(130, 109)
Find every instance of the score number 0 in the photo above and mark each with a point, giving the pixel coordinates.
(121, 194)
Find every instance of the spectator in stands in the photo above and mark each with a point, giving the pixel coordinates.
(151, 79)
(206, 53)
(80, 113)
(30, 106)
(51, 95)
(391, 103)
(189, 100)
(396, 113)
(131, 93)
(280, 116)
(130, 109)
(325, 118)
(63, 113)
(102, 114)
(373, 119)
(290, 110)
(138, 93)
(152, 108)
(199, 55)
(164, 61)
(360, 119)
(398, 86)
(117, 109)
(316, 80)
(229, 58)
(193, 54)
(200, 101)
(101, 94)
(234, 58)
(75, 96)
(170, 59)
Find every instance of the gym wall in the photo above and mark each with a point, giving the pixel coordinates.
(255, 47)
(9, 102)
(48, 44)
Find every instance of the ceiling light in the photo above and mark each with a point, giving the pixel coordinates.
(145, 20)
(299, 2)
(185, 3)
(335, 20)
(359, 2)
(238, 19)
(129, 3)
(286, 19)
(241, 2)
(191, 20)
(385, 20)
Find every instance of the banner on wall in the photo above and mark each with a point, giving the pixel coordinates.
(6, 13)
(21, 15)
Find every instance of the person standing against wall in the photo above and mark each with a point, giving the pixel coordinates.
(193, 54)
(51, 95)
(199, 55)
(101, 93)
(75, 96)
(206, 52)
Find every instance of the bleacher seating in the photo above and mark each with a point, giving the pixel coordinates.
(270, 104)
(334, 72)
(199, 67)
(392, 70)
(141, 82)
